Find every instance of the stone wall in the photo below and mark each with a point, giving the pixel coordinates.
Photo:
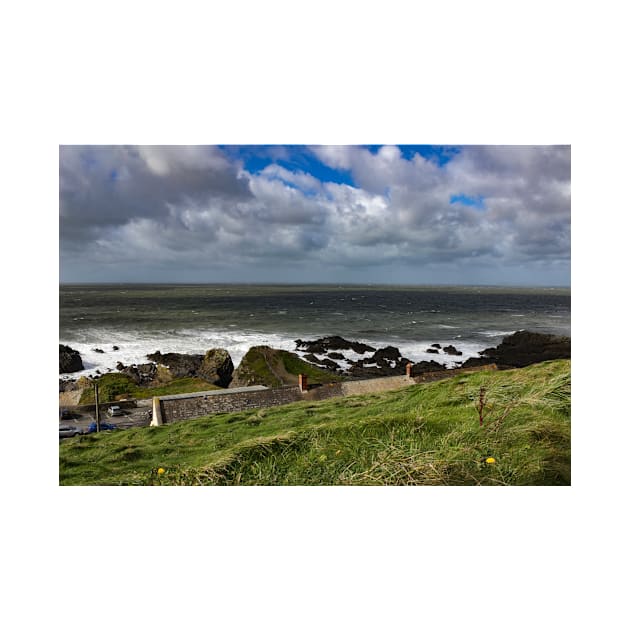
(185, 407)
(323, 392)
(180, 407)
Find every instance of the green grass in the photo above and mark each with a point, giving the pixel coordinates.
(111, 386)
(273, 368)
(426, 434)
(294, 365)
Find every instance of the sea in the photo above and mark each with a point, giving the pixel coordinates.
(142, 318)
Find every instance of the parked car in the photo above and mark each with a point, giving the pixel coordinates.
(66, 430)
(114, 410)
(105, 426)
(64, 414)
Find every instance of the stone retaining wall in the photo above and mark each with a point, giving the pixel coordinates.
(185, 407)
(168, 409)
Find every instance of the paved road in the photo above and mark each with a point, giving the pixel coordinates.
(139, 416)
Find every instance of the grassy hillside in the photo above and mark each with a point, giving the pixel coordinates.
(115, 385)
(426, 434)
(267, 366)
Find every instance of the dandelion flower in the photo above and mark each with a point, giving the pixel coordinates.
(160, 471)
(490, 460)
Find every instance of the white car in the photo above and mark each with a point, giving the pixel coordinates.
(115, 410)
(66, 430)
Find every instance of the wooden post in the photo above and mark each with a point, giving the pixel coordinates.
(98, 415)
(408, 369)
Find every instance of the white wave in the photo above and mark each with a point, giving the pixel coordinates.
(135, 345)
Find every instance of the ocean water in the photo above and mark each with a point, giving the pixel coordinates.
(141, 319)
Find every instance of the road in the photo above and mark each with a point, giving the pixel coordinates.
(139, 416)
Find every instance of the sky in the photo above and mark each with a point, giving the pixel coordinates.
(404, 214)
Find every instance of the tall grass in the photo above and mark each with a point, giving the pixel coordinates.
(426, 434)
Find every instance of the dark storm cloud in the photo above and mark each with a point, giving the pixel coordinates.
(198, 208)
(104, 187)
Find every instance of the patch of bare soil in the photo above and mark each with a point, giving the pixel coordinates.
(69, 399)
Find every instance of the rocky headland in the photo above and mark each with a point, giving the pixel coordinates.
(324, 360)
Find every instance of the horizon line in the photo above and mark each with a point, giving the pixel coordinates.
(306, 284)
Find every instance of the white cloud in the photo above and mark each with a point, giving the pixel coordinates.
(193, 208)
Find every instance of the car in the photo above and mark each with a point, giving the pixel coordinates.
(67, 430)
(115, 410)
(105, 426)
(65, 414)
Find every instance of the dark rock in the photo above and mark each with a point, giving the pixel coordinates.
(115, 348)
(69, 360)
(323, 345)
(426, 366)
(331, 365)
(432, 351)
(476, 362)
(179, 365)
(311, 358)
(525, 347)
(436, 345)
(336, 355)
(67, 385)
(120, 366)
(384, 356)
(388, 360)
(217, 367)
(142, 374)
(98, 350)
(452, 350)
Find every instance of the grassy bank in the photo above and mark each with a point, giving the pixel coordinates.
(425, 434)
(115, 386)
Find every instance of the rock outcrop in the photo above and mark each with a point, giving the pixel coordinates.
(216, 367)
(69, 360)
(323, 345)
(426, 366)
(523, 348)
(272, 367)
(452, 350)
(143, 374)
(179, 365)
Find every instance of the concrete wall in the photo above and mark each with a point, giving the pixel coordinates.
(375, 385)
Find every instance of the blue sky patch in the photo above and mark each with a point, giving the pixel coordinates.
(474, 201)
(292, 157)
(440, 155)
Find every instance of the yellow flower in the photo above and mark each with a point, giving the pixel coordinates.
(490, 460)
(160, 471)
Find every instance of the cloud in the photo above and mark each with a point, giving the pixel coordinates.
(197, 210)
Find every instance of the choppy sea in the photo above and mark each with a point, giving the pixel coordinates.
(142, 319)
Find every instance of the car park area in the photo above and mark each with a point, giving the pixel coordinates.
(73, 422)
